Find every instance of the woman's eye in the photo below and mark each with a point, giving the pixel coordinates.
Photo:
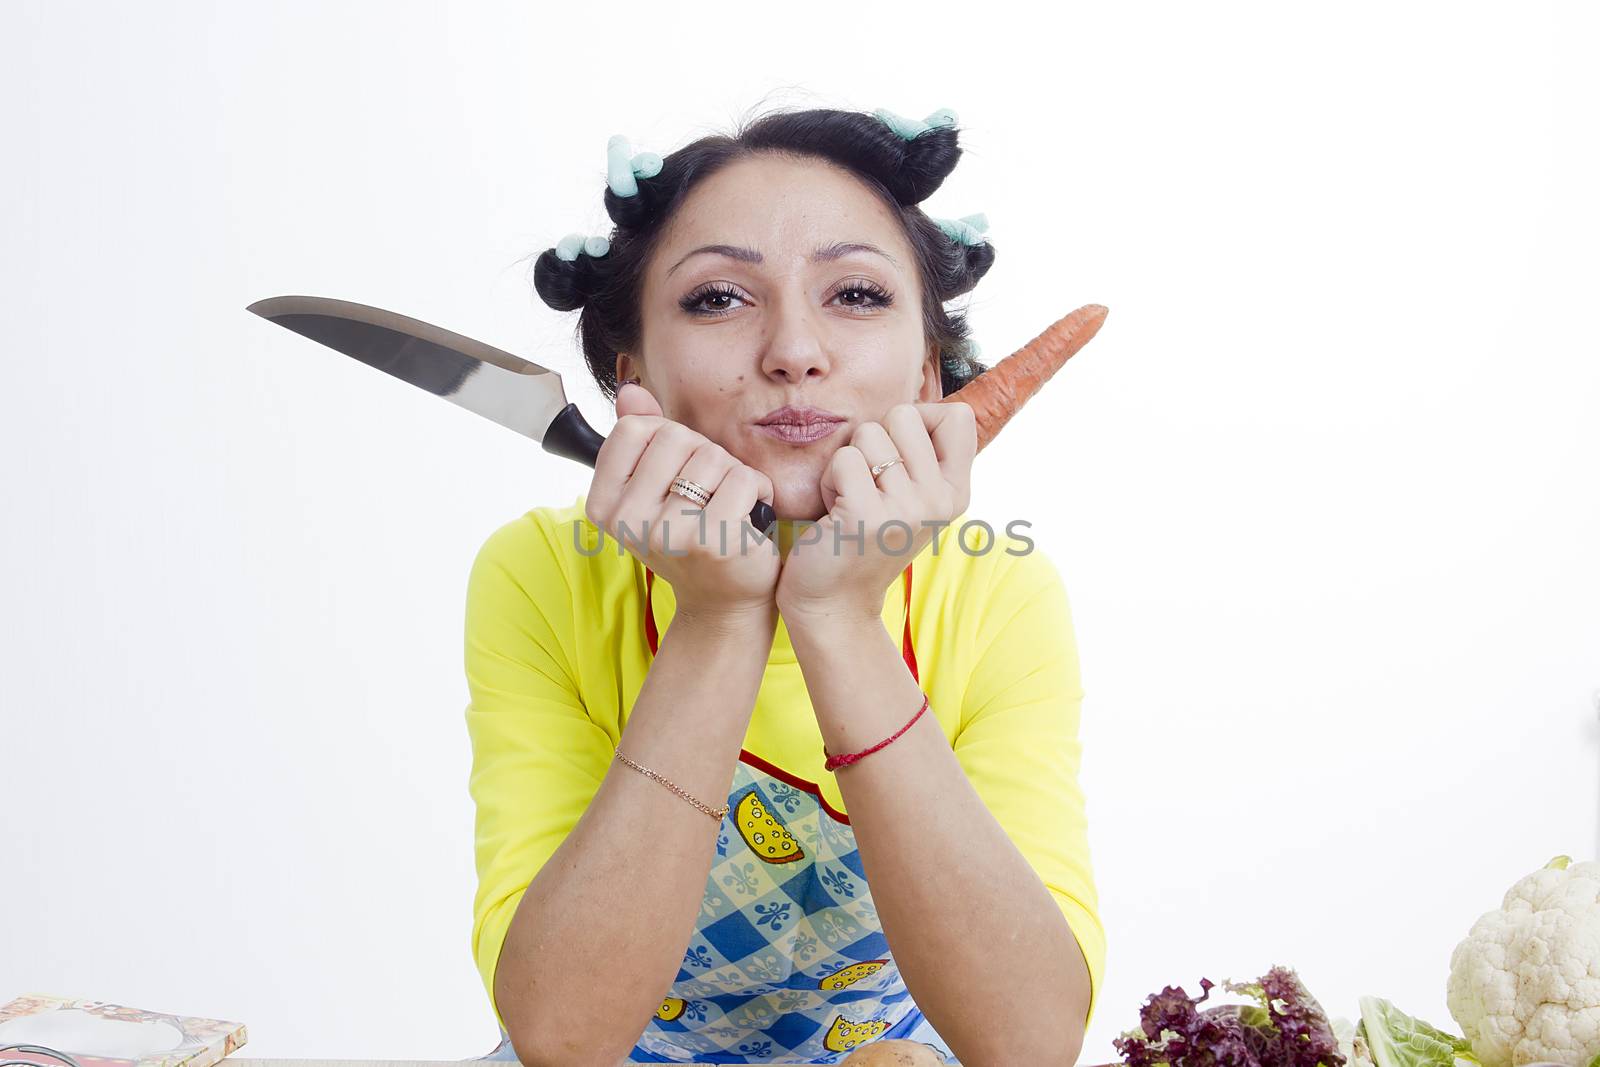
(695, 303)
(870, 295)
(858, 296)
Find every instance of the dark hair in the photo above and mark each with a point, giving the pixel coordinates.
(902, 173)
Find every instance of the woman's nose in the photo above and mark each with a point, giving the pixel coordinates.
(796, 348)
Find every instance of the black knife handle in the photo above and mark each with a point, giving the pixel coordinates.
(571, 437)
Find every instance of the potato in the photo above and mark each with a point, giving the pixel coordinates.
(893, 1053)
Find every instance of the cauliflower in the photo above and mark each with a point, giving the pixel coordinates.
(1525, 982)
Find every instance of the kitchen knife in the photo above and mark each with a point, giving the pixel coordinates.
(507, 389)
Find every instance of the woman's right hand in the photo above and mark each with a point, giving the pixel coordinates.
(632, 488)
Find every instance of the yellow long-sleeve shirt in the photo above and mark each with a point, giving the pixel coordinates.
(556, 653)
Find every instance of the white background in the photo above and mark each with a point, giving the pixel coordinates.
(1323, 490)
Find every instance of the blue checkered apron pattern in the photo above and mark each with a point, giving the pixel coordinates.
(788, 963)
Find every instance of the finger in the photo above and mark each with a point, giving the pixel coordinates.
(618, 459)
(909, 437)
(635, 399)
(638, 418)
(877, 447)
(669, 449)
(829, 491)
(741, 487)
(708, 466)
(953, 430)
(851, 479)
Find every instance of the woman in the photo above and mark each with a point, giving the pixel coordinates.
(670, 867)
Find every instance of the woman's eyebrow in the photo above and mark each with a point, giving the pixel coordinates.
(822, 255)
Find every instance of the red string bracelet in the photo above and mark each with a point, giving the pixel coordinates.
(835, 762)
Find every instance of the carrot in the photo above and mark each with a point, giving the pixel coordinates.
(999, 392)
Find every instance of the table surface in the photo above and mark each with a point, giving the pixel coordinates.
(240, 1061)
(244, 1061)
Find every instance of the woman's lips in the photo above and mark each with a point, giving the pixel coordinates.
(801, 433)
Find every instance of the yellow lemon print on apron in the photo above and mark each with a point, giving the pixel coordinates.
(766, 837)
(854, 973)
(670, 1009)
(844, 1036)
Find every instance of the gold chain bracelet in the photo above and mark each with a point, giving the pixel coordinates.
(716, 813)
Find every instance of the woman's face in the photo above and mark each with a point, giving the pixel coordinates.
(727, 341)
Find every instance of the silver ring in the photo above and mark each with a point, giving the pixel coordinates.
(693, 492)
(881, 467)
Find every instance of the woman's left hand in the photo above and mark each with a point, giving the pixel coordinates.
(872, 530)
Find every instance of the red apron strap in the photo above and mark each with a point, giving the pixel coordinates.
(649, 612)
(907, 652)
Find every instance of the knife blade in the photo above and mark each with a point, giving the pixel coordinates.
(514, 392)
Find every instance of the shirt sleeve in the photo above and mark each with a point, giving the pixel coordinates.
(1018, 740)
(537, 757)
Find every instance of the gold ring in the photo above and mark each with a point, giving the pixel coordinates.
(693, 492)
(881, 467)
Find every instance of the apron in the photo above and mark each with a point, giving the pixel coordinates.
(787, 962)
